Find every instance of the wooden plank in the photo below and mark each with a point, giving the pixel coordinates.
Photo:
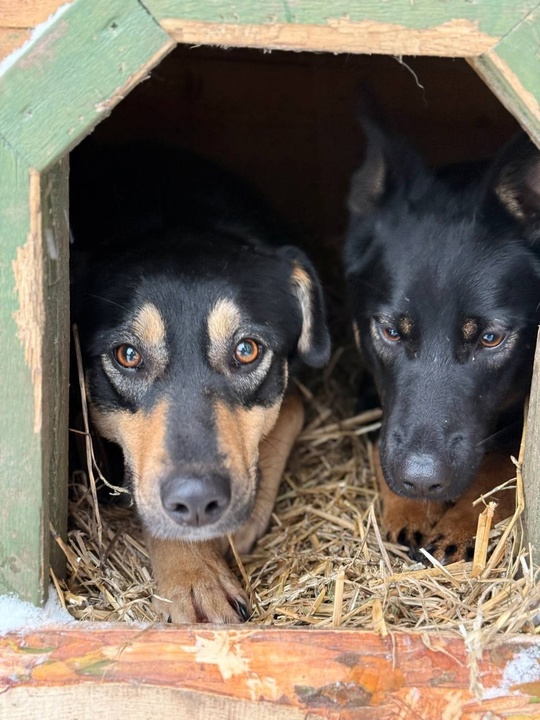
(511, 70)
(73, 75)
(55, 229)
(23, 486)
(531, 461)
(11, 38)
(27, 13)
(259, 673)
(456, 29)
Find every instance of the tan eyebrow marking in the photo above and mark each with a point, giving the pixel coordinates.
(223, 321)
(406, 325)
(469, 329)
(149, 326)
(302, 286)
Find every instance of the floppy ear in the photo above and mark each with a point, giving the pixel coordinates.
(390, 165)
(314, 340)
(514, 178)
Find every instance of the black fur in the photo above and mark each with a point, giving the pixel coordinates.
(444, 264)
(151, 224)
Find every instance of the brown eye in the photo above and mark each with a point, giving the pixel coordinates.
(390, 334)
(247, 351)
(492, 339)
(128, 357)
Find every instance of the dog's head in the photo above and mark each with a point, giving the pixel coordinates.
(187, 360)
(444, 284)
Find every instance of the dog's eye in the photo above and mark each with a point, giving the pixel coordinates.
(389, 333)
(247, 351)
(128, 357)
(492, 339)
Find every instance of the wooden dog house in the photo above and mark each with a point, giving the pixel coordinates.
(65, 67)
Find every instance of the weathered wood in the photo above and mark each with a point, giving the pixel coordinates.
(453, 39)
(492, 17)
(26, 13)
(11, 38)
(23, 484)
(74, 74)
(531, 462)
(257, 674)
(511, 70)
(55, 230)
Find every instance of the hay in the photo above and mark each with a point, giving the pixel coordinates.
(324, 562)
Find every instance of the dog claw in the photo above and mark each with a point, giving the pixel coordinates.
(242, 610)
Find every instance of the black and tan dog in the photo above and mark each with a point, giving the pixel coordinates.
(192, 318)
(444, 281)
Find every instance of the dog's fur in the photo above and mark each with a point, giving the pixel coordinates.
(438, 271)
(176, 265)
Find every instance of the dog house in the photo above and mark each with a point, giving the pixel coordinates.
(65, 67)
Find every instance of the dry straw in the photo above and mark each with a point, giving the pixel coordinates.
(324, 561)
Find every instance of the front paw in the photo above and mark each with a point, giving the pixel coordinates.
(195, 584)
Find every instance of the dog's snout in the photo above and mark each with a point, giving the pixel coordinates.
(422, 476)
(196, 501)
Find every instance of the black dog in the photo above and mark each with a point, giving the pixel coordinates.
(192, 317)
(444, 281)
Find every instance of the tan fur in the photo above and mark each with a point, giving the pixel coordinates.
(356, 333)
(455, 526)
(406, 325)
(399, 512)
(194, 582)
(274, 451)
(302, 287)
(223, 321)
(148, 325)
(142, 438)
(469, 329)
(239, 432)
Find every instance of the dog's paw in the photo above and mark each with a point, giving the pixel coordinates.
(195, 584)
(447, 549)
(409, 522)
(207, 599)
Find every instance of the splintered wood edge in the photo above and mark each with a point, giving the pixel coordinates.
(455, 38)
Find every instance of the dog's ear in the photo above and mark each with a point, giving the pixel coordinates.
(514, 178)
(314, 340)
(390, 166)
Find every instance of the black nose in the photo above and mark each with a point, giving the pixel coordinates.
(422, 476)
(196, 501)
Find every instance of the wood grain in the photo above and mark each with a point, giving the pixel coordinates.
(74, 74)
(23, 546)
(254, 673)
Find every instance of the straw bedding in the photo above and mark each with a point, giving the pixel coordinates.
(323, 562)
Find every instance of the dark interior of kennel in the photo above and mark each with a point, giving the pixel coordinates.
(288, 121)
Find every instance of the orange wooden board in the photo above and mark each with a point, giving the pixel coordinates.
(317, 674)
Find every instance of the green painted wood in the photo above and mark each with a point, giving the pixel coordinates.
(54, 203)
(512, 71)
(74, 74)
(23, 485)
(495, 17)
(531, 462)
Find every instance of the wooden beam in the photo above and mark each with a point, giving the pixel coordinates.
(27, 13)
(531, 462)
(23, 485)
(457, 29)
(512, 70)
(258, 674)
(71, 77)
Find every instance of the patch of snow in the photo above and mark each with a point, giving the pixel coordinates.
(523, 668)
(17, 615)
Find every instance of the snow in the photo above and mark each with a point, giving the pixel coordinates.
(17, 615)
(523, 668)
